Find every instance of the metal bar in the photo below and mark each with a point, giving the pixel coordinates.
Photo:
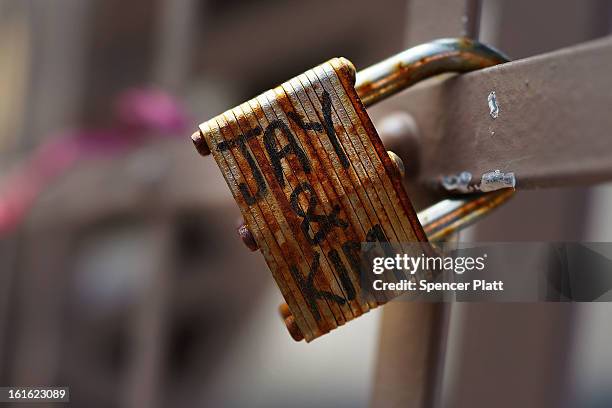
(413, 336)
(409, 354)
(471, 18)
(436, 19)
(551, 127)
(149, 321)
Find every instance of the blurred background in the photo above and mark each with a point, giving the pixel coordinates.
(121, 273)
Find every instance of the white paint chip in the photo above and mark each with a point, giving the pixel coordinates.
(493, 106)
(496, 180)
(458, 182)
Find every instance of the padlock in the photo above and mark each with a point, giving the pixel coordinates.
(313, 180)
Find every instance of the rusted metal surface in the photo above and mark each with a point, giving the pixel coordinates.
(441, 221)
(449, 216)
(293, 328)
(400, 71)
(551, 128)
(312, 180)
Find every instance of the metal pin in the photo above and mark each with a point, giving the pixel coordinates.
(398, 163)
(200, 143)
(247, 237)
(284, 311)
(293, 328)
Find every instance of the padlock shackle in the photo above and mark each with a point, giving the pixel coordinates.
(423, 61)
(446, 217)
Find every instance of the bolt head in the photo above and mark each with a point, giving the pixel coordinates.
(283, 310)
(200, 143)
(293, 328)
(398, 163)
(247, 237)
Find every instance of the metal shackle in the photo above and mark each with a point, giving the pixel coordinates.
(405, 69)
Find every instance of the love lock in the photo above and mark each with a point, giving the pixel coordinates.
(313, 180)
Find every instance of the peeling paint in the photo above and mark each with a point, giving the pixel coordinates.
(493, 105)
(458, 182)
(496, 180)
(490, 181)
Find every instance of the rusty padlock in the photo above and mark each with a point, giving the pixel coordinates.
(313, 179)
